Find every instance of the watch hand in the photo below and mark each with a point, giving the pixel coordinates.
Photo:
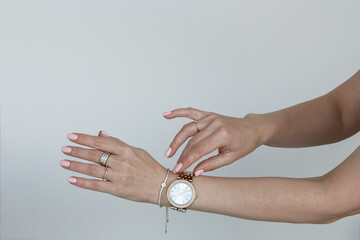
(182, 192)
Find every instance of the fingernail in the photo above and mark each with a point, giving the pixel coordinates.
(104, 133)
(168, 151)
(167, 113)
(177, 167)
(72, 180)
(64, 163)
(72, 136)
(66, 149)
(198, 172)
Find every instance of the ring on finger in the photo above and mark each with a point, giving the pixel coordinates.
(198, 130)
(105, 174)
(104, 158)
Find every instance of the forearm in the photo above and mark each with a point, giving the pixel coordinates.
(327, 119)
(266, 199)
(311, 123)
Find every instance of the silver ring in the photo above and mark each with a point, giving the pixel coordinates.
(105, 174)
(196, 126)
(104, 157)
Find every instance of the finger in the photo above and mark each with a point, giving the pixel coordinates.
(92, 155)
(189, 112)
(188, 130)
(103, 134)
(213, 163)
(89, 169)
(204, 147)
(92, 184)
(106, 144)
(195, 140)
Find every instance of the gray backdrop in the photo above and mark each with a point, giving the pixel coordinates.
(118, 65)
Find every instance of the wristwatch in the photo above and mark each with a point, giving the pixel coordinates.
(181, 193)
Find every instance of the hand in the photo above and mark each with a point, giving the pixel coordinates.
(233, 137)
(132, 173)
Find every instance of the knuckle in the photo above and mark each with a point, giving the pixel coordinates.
(224, 131)
(98, 142)
(189, 112)
(92, 170)
(212, 114)
(114, 159)
(219, 121)
(124, 178)
(195, 149)
(127, 150)
(197, 152)
(92, 155)
(119, 149)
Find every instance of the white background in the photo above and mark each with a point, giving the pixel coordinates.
(118, 65)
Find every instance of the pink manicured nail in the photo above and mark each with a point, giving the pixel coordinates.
(198, 172)
(168, 151)
(177, 167)
(72, 180)
(66, 149)
(167, 113)
(72, 136)
(104, 133)
(64, 163)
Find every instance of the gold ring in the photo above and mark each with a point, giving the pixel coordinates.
(196, 126)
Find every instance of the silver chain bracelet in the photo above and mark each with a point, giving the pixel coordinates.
(163, 185)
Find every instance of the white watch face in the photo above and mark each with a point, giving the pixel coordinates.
(181, 193)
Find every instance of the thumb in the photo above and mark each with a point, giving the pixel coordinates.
(213, 163)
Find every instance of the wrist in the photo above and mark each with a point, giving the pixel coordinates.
(264, 128)
(153, 197)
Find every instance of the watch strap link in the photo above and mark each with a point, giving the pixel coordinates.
(178, 209)
(186, 175)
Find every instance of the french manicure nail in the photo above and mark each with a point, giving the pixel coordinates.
(72, 136)
(64, 163)
(198, 172)
(167, 113)
(168, 151)
(66, 149)
(177, 167)
(104, 133)
(72, 180)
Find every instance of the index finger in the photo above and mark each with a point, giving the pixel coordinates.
(192, 113)
(106, 144)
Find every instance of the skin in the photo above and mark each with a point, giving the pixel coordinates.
(135, 175)
(327, 119)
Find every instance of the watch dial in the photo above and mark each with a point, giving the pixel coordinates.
(181, 193)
